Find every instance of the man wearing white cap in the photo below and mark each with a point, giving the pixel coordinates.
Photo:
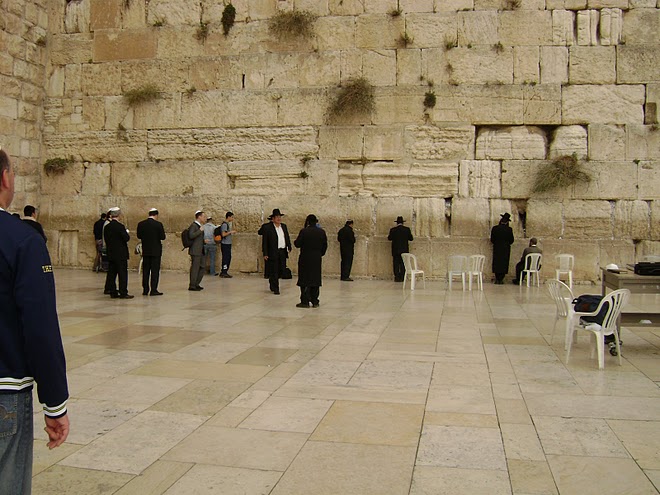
(196, 251)
(151, 233)
(116, 239)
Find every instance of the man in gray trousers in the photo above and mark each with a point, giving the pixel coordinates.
(196, 251)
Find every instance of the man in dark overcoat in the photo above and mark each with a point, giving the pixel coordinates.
(275, 246)
(116, 238)
(502, 237)
(346, 238)
(313, 243)
(399, 235)
(151, 233)
(196, 251)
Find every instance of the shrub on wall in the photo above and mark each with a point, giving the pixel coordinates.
(292, 24)
(562, 172)
(356, 97)
(146, 93)
(57, 166)
(228, 18)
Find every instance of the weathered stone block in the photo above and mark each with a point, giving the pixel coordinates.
(611, 25)
(98, 146)
(431, 30)
(396, 108)
(441, 250)
(511, 143)
(607, 142)
(544, 218)
(518, 179)
(643, 142)
(160, 179)
(416, 180)
(603, 104)
(453, 5)
(483, 105)
(136, 74)
(638, 64)
(379, 31)
(641, 26)
(563, 27)
(554, 65)
(592, 65)
(216, 73)
(101, 79)
(586, 268)
(93, 113)
(379, 67)
(619, 252)
(588, 220)
(67, 212)
(341, 143)
(346, 7)
(302, 107)
(587, 27)
(124, 45)
(649, 180)
(8, 107)
(480, 179)
(480, 65)
(469, 217)
(442, 142)
(652, 107)
(431, 218)
(525, 27)
(210, 109)
(105, 14)
(604, 4)
(383, 143)
(70, 48)
(477, 28)
(387, 210)
(655, 220)
(76, 17)
(408, 67)
(435, 66)
(526, 64)
(567, 140)
(379, 6)
(95, 179)
(175, 12)
(609, 180)
(416, 5)
(159, 114)
(632, 220)
(261, 179)
(321, 69)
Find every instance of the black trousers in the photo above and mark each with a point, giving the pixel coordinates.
(275, 269)
(150, 272)
(399, 268)
(309, 295)
(346, 262)
(226, 257)
(117, 269)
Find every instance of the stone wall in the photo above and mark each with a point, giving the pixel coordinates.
(242, 124)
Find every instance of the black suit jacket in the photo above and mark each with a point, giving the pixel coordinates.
(116, 241)
(400, 235)
(36, 226)
(269, 239)
(151, 233)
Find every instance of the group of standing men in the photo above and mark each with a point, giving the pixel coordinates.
(203, 236)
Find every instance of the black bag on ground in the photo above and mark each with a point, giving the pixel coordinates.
(588, 303)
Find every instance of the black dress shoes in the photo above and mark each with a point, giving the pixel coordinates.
(126, 296)
(156, 293)
(145, 292)
(302, 305)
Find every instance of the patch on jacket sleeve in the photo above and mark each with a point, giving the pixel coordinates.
(47, 268)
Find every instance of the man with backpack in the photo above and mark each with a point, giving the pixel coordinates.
(226, 232)
(195, 241)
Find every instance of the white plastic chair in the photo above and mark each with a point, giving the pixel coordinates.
(476, 269)
(563, 297)
(456, 266)
(616, 300)
(565, 262)
(532, 268)
(410, 263)
(138, 250)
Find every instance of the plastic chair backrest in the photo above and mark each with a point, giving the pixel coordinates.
(456, 264)
(476, 263)
(566, 262)
(138, 248)
(617, 300)
(533, 261)
(408, 261)
(560, 292)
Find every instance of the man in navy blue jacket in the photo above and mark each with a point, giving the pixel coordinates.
(30, 344)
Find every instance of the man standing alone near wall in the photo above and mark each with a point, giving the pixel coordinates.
(151, 233)
(30, 345)
(276, 246)
(399, 235)
(346, 238)
(116, 240)
(196, 251)
(226, 232)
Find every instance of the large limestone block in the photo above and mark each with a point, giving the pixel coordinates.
(105, 14)
(272, 70)
(652, 110)
(525, 27)
(180, 42)
(417, 180)
(649, 180)
(379, 6)
(322, 177)
(544, 218)
(8, 107)
(302, 107)
(607, 142)
(361, 210)
(409, 67)
(542, 104)
(96, 179)
(275, 143)
(383, 142)
(101, 79)
(569, 139)
(431, 217)
(379, 67)
(266, 179)
(526, 65)
(344, 7)
(619, 252)
(554, 65)
(386, 212)
(587, 27)
(641, 26)
(588, 220)
(230, 109)
(432, 30)
(130, 44)
(655, 220)
(592, 65)
(396, 107)
(379, 31)
(484, 105)
(93, 113)
(321, 69)
(209, 177)
(481, 65)
(609, 180)
(603, 104)
(441, 250)
(477, 28)
(135, 74)
(511, 143)
(70, 48)
(72, 80)
(379, 257)
(563, 27)
(441, 142)
(175, 12)
(480, 179)
(68, 212)
(435, 66)
(350, 179)
(470, 217)
(518, 178)
(160, 114)
(611, 26)
(163, 178)
(216, 73)
(638, 64)
(341, 143)
(76, 17)
(98, 146)
(643, 142)
(453, 5)
(416, 5)
(69, 183)
(604, 4)
(632, 220)
(586, 258)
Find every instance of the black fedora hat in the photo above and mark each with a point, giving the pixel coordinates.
(276, 213)
(400, 220)
(505, 217)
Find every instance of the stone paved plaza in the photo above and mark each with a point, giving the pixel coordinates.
(379, 391)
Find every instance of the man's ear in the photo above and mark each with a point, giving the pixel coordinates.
(4, 179)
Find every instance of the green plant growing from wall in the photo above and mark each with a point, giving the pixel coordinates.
(450, 42)
(395, 13)
(191, 90)
(356, 97)
(143, 94)
(429, 100)
(562, 172)
(512, 4)
(158, 23)
(405, 40)
(41, 41)
(292, 24)
(57, 166)
(498, 47)
(228, 18)
(122, 133)
(203, 31)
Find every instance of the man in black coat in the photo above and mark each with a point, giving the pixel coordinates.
(30, 218)
(346, 238)
(399, 235)
(98, 239)
(313, 243)
(502, 237)
(275, 246)
(151, 233)
(196, 251)
(116, 239)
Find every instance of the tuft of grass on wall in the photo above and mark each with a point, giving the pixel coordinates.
(429, 99)
(405, 40)
(512, 4)
(292, 24)
(228, 18)
(57, 166)
(203, 31)
(356, 97)
(450, 42)
(143, 94)
(395, 13)
(562, 172)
